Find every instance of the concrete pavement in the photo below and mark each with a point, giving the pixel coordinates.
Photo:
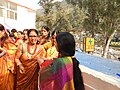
(99, 73)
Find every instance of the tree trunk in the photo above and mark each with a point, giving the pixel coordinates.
(106, 47)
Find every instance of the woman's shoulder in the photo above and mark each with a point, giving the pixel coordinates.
(63, 60)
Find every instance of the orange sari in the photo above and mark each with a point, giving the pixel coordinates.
(28, 80)
(6, 67)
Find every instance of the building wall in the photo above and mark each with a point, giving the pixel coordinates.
(21, 18)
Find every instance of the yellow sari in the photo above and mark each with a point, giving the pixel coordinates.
(52, 53)
(7, 66)
(47, 45)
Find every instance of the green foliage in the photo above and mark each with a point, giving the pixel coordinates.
(91, 16)
(60, 15)
(102, 15)
(75, 2)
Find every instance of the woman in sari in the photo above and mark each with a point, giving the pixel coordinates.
(52, 51)
(6, 63)
(19, 39)
(2, 51)
(45, 38)
(25, 37)
(27, 65)
(59, 75)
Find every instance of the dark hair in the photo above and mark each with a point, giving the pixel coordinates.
(13, 30)
(46, 28)
(8, 31)
(2, 39)
(65, 44)
(28, 33)
(2, 27)
(20, 32)
(55, 31)
(25, 30)
(77, 76)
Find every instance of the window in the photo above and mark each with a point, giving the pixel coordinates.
(10, 14)
(11, 11)
(1, 3)
(1, 12)
(8, 8)
(15, 16)
(13, 7)
(2, 7)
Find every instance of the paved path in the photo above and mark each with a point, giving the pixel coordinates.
(93, 83)
(99, 73)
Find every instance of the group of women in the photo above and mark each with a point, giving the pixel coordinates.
(45, 63)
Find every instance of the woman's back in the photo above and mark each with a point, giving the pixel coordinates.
(58, 75)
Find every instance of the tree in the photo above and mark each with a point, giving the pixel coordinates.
(103, 17)
(109, 15)
(54, 15)
(47, 11)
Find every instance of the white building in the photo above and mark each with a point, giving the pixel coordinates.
(18, 14)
